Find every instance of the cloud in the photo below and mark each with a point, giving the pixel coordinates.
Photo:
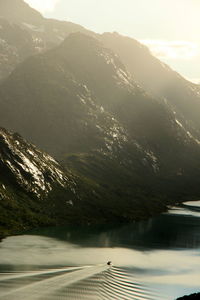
(43, 5)
(164, 49)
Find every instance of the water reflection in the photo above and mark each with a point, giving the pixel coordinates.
(178, 229)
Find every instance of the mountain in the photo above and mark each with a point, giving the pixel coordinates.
(79, 103)
(52, 106)
(159, 80)
(25, 32)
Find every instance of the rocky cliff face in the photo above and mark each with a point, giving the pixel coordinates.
(35, 171)
(29, 180)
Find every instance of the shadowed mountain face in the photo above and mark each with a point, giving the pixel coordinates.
(52, 104)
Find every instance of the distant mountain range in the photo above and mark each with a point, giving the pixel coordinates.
(123, 125)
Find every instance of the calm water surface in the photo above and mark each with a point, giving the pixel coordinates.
(161, 255)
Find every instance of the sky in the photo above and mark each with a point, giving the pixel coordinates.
(169, 28)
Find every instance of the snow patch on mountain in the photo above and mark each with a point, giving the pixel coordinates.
(34, 170)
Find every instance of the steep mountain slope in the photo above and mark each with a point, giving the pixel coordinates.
(24, 32)
(34, 189)
(159, 79)
(79, 103)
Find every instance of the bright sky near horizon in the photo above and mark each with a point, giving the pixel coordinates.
(169, 28)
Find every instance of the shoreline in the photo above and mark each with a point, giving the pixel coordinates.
(195, 296)
(8, 233)
(23, 230)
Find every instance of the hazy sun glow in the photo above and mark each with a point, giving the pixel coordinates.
(43, 5)
(172, 49)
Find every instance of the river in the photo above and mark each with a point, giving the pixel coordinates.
(154, 259)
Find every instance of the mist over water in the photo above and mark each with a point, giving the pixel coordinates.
(154, 259)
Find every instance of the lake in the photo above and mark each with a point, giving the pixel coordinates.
(154, 259)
